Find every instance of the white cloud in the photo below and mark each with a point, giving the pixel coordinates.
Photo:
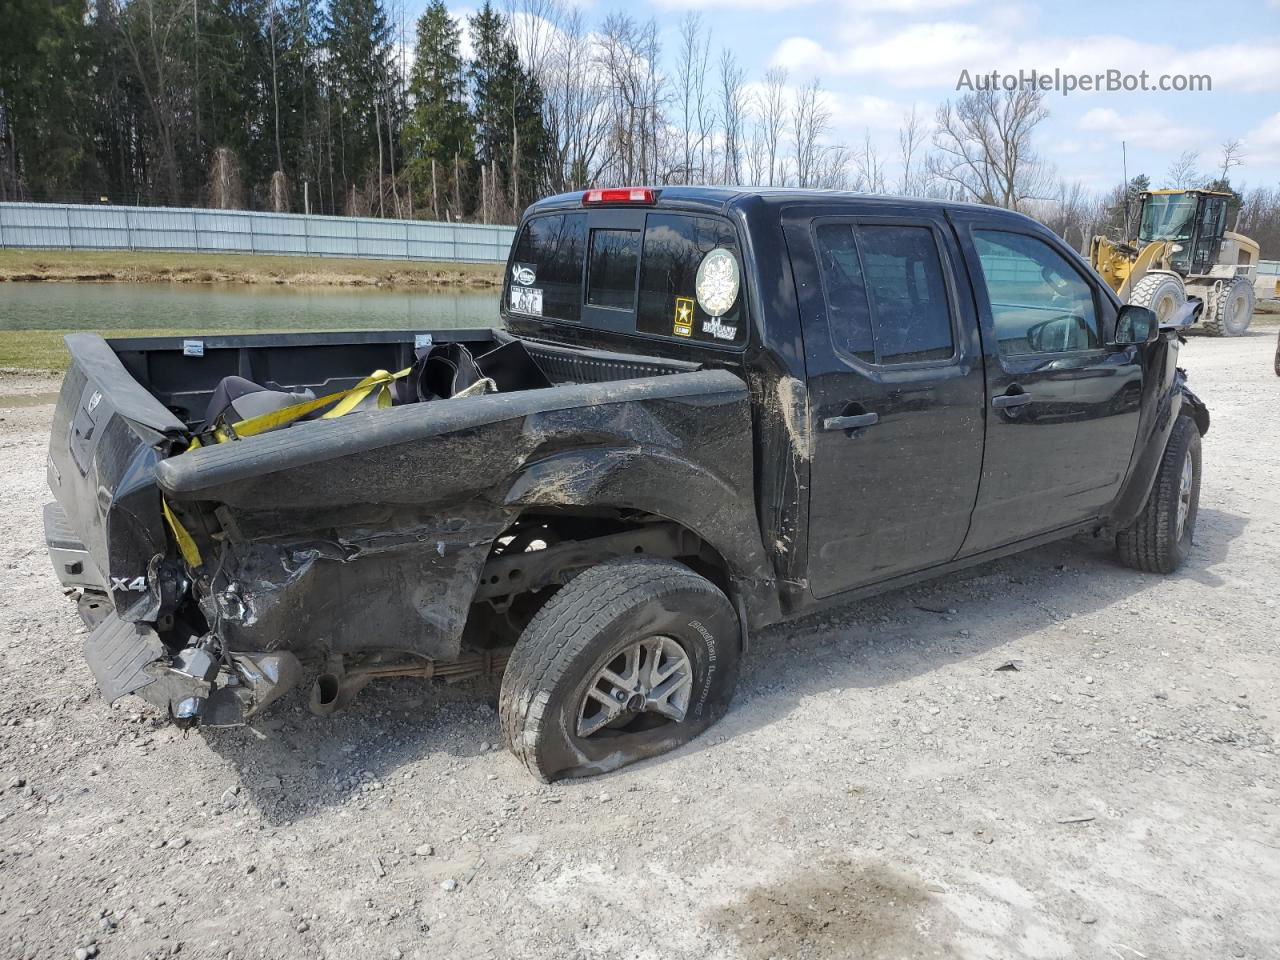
(743, 5)
(934, 53)
(925, 54)
(848, 7)
(1143, 128)
(904, 6)
(1262, 143)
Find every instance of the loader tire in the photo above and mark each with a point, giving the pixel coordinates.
(1160, 539)
(1232, 309)
(582, 692)
(1161, 293)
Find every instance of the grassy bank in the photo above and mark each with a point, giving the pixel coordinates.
(30, 350)
(127, 266)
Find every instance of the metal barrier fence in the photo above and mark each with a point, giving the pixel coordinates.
(89, 227)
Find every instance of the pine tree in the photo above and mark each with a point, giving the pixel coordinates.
(45, 121)
(235, 88)
(510, 137)
(357, 40)
(439, 134)
(293, 32)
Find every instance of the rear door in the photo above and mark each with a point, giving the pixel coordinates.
(1063, 408)
(895, 389)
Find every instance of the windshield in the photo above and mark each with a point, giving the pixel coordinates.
(1167, 217)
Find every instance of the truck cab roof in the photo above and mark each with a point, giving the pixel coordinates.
(722, 199)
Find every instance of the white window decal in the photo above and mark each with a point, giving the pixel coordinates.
(527, 300)
(717, 282)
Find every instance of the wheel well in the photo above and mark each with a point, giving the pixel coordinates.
(539, 552)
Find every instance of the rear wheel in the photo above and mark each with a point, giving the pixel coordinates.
(1161, 293)
(1160, 539)
(1232, 309)
(633, 658)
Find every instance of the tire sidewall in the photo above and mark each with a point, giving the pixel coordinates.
(1236, 322)
(1164, 286)
(1187, 440)
(703, 622)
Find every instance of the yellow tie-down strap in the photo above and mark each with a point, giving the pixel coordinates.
(342, 402)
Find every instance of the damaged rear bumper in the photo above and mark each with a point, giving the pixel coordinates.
(192, 685)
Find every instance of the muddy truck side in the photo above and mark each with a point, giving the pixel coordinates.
(707, 410)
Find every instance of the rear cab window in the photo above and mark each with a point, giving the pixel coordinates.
(651, 273)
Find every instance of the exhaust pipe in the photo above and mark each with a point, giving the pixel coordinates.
(334, 691)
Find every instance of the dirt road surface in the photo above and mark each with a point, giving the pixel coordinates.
(879, 789)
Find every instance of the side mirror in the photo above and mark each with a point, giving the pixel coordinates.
(1136, 325)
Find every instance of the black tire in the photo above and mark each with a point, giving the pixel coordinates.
(1152, 542)
(1230, 313)
(1277, 363)
(1161, 293)
(585, 627)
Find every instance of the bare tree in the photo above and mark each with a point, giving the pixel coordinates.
(733, 108)
(1071, 212)
(983, 146)
(1232, 157)
(772, 109)
(871, 173)
(576, 105)
(1184, 172)
(833, 168)
(757, 164)
(912, 137)
(635, 90)
(810, 120)
(691, 95)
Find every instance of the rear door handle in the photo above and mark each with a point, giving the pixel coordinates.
(1006, 400)
(851, 423)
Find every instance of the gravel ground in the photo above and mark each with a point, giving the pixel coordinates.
(879, 788)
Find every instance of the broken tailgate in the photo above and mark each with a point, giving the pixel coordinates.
(108, 434)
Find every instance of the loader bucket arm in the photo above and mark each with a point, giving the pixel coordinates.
(1150, 257)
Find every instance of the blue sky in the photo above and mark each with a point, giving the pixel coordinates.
(878, 57)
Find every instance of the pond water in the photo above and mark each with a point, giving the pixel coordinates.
(138, 307)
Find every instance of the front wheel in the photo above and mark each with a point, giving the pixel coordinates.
(632, 658)
(1161, 293)
(1160, 539)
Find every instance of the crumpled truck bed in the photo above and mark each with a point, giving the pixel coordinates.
(369, 532)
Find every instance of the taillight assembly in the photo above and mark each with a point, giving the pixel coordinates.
(639, 196)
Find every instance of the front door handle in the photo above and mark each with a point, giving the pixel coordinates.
(1006, 400)
(852, 422)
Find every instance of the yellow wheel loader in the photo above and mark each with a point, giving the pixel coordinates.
(1183, 255)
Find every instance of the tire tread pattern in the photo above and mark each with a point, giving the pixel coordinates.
(1147, 544)
(563, 627)
(1145, 289)
(1214, 325)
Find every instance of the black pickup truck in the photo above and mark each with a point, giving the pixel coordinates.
(744, 405)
